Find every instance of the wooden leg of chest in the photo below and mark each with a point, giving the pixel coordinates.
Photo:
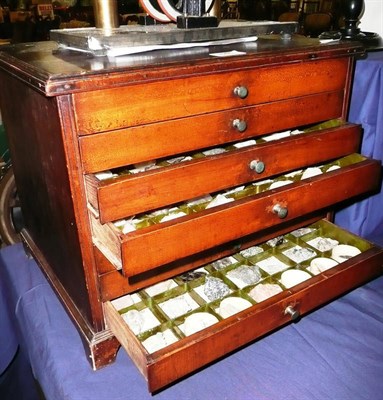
(102, 349)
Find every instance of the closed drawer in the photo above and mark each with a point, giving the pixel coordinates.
(131, 194)
(114, 149)
(175, 316)
(144, 249)
(134, 105)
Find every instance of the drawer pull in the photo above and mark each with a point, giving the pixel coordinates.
(280, 211)
(294, 314)
(240, 125)
(241, 92)
(257, 166)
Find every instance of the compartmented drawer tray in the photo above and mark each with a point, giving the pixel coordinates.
(197, 317)
(133, 193)
(144, 249)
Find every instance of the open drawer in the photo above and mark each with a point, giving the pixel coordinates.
(195, 318)
(130, 193)
(150, 242)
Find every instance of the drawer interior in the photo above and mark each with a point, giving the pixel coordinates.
(139, 245)
(131, 190)
(254, 290)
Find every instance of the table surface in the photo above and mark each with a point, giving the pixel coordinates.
(335, 352)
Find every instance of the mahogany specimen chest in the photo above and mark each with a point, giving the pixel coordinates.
(166, 129)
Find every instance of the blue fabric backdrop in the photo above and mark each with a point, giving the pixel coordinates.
(365, 218)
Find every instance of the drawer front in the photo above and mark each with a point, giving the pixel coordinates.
(121, 197)
(110, 109)
(230, 333)
(151, 247)
(163, 139)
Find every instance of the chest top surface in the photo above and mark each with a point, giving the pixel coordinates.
(55, 71)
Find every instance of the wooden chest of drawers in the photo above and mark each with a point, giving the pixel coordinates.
(169, 130)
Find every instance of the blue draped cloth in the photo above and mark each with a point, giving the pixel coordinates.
(365, 218)
(8, 341)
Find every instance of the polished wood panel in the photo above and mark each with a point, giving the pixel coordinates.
(152, 141)
(110, 109)
(43, 182)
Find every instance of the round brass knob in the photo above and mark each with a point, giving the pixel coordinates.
(294, 314)
(240, 125)
(257, 166)
(280, 211)
(241, 92)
